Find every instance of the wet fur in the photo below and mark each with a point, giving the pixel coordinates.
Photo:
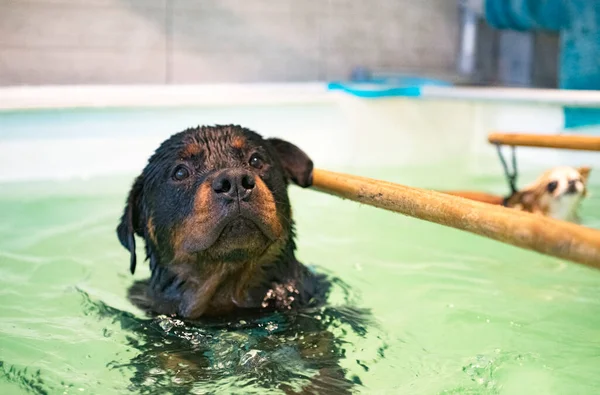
(173, 219)
(197, 283)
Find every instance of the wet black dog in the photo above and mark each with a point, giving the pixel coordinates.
(213, 210)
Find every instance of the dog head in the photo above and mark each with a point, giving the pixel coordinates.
(557, 193)
(214, 195)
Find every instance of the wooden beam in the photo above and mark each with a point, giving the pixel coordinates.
(582, 143)
(530, 231)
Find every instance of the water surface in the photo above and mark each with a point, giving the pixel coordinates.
(451, 312)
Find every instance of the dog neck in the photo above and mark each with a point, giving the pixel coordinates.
(195, 288)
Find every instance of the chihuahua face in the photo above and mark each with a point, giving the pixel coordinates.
(557, 193)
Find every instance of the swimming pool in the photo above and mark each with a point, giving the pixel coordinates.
(452, 312)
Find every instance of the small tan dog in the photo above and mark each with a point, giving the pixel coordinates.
(557, 193)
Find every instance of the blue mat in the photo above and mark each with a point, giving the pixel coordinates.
(379, 87)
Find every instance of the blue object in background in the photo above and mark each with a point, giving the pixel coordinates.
(364, 85)
(578, 22)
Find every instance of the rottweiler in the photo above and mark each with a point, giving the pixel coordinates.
(213, 210)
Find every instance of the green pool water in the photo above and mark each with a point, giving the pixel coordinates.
(452, 312)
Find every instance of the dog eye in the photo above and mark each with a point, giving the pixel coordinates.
(551, 187)
(181, 173)
(256, 161)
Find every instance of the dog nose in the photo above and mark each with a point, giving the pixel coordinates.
(234, 184)
(572, 186)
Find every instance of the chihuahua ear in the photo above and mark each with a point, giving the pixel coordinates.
(527, 198)
(524, 199)
(585, 173)
(297, 166)
(131, 221)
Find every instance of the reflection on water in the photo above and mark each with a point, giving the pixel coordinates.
(284, 351)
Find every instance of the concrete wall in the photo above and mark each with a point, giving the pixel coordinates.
(196, 41)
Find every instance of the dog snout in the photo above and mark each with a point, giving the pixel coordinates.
(572, 186)
(232, 184)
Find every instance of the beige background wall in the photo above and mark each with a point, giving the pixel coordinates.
(195, 41)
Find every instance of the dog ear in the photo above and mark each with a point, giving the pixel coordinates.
(297, 166)
(527, 198)
(131, 221)
(585, 173)
(524, 199)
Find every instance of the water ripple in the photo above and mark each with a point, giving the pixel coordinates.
(267, 351)
(30, 381)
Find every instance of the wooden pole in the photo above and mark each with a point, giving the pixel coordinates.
(582, 143)
(479, 196)
(534, 232)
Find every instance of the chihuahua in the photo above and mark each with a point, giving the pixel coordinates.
(557, 193)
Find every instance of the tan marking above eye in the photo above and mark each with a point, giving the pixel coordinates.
(238, 142)
(190, 150)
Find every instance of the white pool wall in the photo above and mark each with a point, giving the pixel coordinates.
(338, 130)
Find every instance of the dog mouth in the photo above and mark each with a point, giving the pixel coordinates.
(240, 229)
(243, 222)
(239, 239)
